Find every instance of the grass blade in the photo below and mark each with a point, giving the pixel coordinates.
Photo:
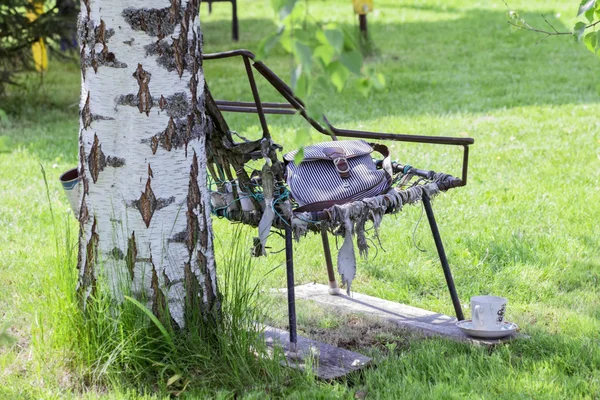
(155, 320)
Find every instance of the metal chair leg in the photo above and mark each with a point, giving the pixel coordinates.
(443, 259)
(333, 286)
(289, 263)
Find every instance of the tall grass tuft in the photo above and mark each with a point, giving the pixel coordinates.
(121, 344)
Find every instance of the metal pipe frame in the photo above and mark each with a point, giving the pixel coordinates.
(443, 259)
(289, 264)
(296, 104)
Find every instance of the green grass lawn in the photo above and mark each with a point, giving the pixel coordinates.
(524, 227)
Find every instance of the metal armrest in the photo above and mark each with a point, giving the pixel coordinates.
(296, 106)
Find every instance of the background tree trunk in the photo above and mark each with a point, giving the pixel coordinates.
(145, 208)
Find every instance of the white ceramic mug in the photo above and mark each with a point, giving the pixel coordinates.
(488, 312)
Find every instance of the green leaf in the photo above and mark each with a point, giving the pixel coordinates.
(589, 15)
(338, 74)
(325, 52)
(296, 72)
(303, 87)
(353, 61)
(598, 89)
(287, 41)
(283, 7)
(585, 6)
(578, 31)
(302, 137)
(590, 40)
(155, 320)
(363, 85)
(268, 43)
(303, 54)
(315, 111)
(299, 156)
(378, 80)
(320, 35)
(335, 37)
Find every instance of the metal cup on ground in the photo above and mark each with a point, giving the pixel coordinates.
(70, 184)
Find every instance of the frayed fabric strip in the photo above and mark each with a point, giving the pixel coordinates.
(349, 220)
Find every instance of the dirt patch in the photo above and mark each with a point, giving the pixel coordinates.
(344, 330)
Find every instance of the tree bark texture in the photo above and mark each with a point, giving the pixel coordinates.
(145, 207)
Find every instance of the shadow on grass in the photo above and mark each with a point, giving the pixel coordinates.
(470, 64)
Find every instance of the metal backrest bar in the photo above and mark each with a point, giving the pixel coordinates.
(296, 104)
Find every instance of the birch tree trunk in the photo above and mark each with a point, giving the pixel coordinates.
(145, 208)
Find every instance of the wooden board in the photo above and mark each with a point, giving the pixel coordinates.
(423, 321)
(328, 362)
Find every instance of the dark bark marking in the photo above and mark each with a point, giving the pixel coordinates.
(208, 287)
(193, 202)
(115, 162)
(143, 79)
(155, 22)
(188, 132)
(87, 7)
(192, 230)
(147, 204)
(177, 105)
(86, 115)
(96, 117)
(174, 11)
(194, 91)
(86, 31)
(104, 59)
(193, 199)
(150, 173)
(179, 237)
(91, 252)
(83, 60)
(175, 136)
(179, 57)
(154, 144)
(131, 254)
(159, 304)
(192, 294)
(129, 42)
(117, 253)
(168, 134)
(161, 202)
(166, 279)
(102, 34)
(96, 159)
(93, 60)
(84, 213)
(90, 35)
(165, 56)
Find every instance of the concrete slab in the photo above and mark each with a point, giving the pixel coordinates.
(328, 362)
(418, 319)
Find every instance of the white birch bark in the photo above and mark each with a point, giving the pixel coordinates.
(145, 211)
